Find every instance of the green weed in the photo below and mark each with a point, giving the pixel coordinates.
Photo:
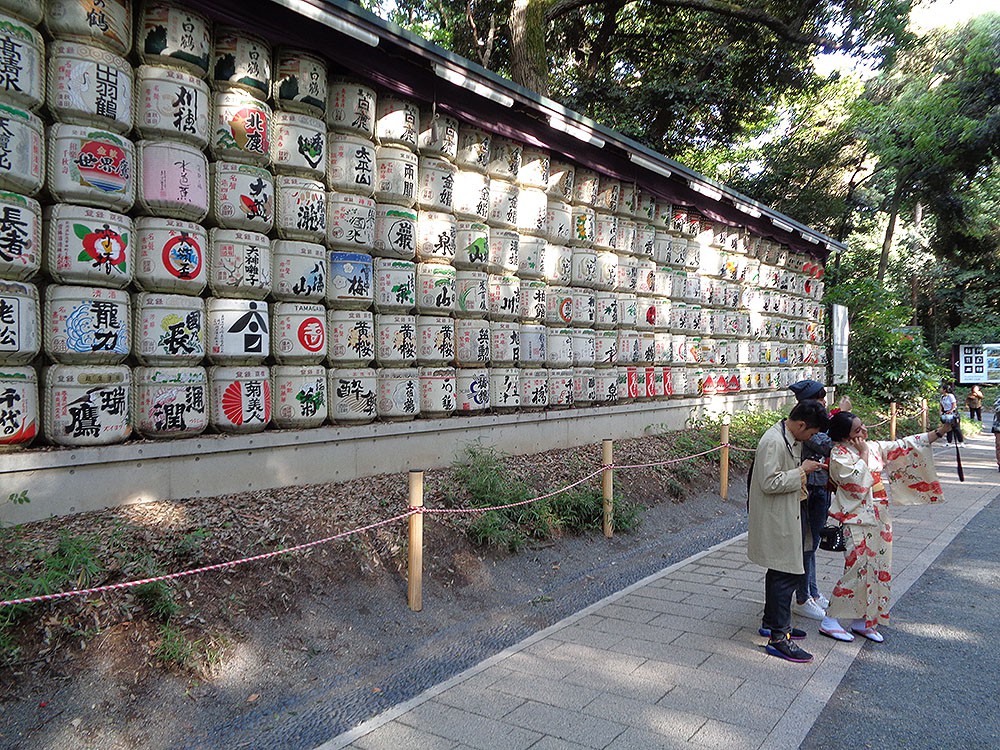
(174, 647)
(158, 598)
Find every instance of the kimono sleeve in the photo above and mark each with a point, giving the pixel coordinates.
(853, 480)
(909, 468)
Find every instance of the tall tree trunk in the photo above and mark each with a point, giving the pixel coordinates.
(528, 60)
(897, 198)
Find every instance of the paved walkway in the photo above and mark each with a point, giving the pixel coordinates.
(673, 661)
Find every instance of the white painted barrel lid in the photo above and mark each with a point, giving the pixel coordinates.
(438, 135)
(562, 176)
(350, 283)
(298, 271)
(395, 231)
(173, 180)
(21, 416)
(351, 164)
(298, 333)
(172, 35)
(472, 246)
(241, 60)
(107, 23)
(435, 290)
(21, 245)
(89, 166)
(350, 107)
(606, 342)
(89, 86)
(298, 396)
(435, 339)
(350, 222)
(241, 129)
(473, 148)
(472, 294)
(86, 404)
(172, 104)
(532, 300)
(397, 121)
(395, 285)
(584, 226)
(534, 170)
(472, 389)
(22, 152)
(169, 329)
(505, 343)
(606, 385)
(87, 325)
(505, 254)
(534, 387)
(472, 342)
(583, 308)
(23, 82)
(584, 347)
(435, 184)
(240, 398)
(170, 255)
(585, 269)
(437, 391)
(585, 187)
(560, 387)
(298, 145)
(435, 237)
(584, 386)
(239, 263)
(299, 83)
(395, 340)
(170, 402)
(505, 388)
(242, 196)
(605, 309)
(300, 208)
(504, 297)
(352, 395)
(559, 346)
(20, 323)
(398, 393)
(351, 336)
(505, 158)
(396, 168)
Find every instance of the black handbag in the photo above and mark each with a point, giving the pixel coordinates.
(831, 538)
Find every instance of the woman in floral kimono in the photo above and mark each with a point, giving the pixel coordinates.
(860, 469)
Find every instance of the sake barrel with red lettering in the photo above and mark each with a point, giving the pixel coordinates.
(169, 329)
(172, 104)
(395, 340)
(242, 196)
(436, 184)
(505, 346)
(241, 60)
(89, 86)
(170, 402)
(298, 145)
(505, 388)
(21, 254)
(472, 294)
(239, 264)
(86, 404)
(396, 180)
(584, 386)
(350, 222)
(350, 108)
(298, 396)
(398, 394)
(472, 342)
(298, 333)
(395, 285)
(560, 388)
(350, 166)
(240, 398)
(435, 340)
(20, 418)
(351, 336)
(435, 288)
(472, 251)
(173, 180)
(299, 271)
(241, 128)
(438, 135)
(437, 391)
(89, 166)
(534, 389)
(472, 389)
(301, 210)
(534, 345)
(170, 255)
(397, 121)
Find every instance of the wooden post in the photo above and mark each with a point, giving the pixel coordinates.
(724, 461)
(608, 487)
(923, 415)
(415, 569)
(892, 421)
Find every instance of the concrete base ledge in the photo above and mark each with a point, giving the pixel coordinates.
(60, 481)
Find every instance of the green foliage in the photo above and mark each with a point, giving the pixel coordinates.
(745, 430)
(174, 648)
(18, 498)
(158, 598)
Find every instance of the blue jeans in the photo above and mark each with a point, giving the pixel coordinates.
(817, 507)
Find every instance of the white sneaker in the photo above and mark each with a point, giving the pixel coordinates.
(822, 601)
(809, 609)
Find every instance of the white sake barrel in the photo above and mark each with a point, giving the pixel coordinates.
(241, 60)
(435, 237)
(678, 317)
(472, 246)
(298, 396)
(20, 323)
(299, 83)
(584, 267)
(397, 121)
(472, 342)
(628, 273)
(628, 384)
(398, 394)
(242, 196)
(238, 331)
(350, 164)
(435, 336)
(239, 264)
(558, 268)
(625, 236)
(664, 314)
(502, 212)
(21, 415)
(395, 285)
(560, 388)
(352, 395)
(169, 402)
(584, 225)
(472, 195)
(662, 348)
(351, 336)
(558, 306)
(532, 212)
(505, 158)
(505, 388)
(605, 309)
(643, 386)
(679, 382)
(584, 386)
(562, 176)
(30, 11)
(473, 149)
(692, 256)
(23, 82)
(692, 288)
(605, 231)
(169, 329)
(395, 340)
(86, 404)
(645, 237)
(628, 198)
(240, 398)
(395, 231)
(472, 390)
(437, 391)
(608, 195)
(350, 108)
(350, 284)
(534, 345)
(585, 187)
(645, 277)
(89, 86)
(435, 183)
(298, 145)
(662, 214)
(628, 346)
(88, 166)
(647, 347)
(531, 257)
(21, 244)
(646, 210)
(438, 135)
(606, 386)
(87, 246)
(505, 250)
(505, 347)
(298, 333)
(299, 271)
(534, 389)
(662, 247)
(558, 346)
(435, 290)
(87, 325)
(584, 304)
(678, 284)
(171, 255)
(534, 171)
(241, 129)
(584, 347)
(504, 297)
(663, 283)
(172, 104)
(607, 271)
(606, 342)
(301, 210)
(532, 304)
(171, 35)
(558, 221)
(397, 176)
(350, 222)
(472, 294)
(173, 180)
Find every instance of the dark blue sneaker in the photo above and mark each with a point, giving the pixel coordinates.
(796, 635)
(788, 651)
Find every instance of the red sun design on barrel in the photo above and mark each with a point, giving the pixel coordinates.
(233, 402)
(312, 334)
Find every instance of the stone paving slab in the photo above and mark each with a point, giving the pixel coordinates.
(673, 661)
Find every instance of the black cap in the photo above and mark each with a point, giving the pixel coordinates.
(808, 389)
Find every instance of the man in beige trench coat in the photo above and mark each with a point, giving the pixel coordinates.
(775, 539)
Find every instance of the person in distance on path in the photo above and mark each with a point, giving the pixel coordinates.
(775, 539)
